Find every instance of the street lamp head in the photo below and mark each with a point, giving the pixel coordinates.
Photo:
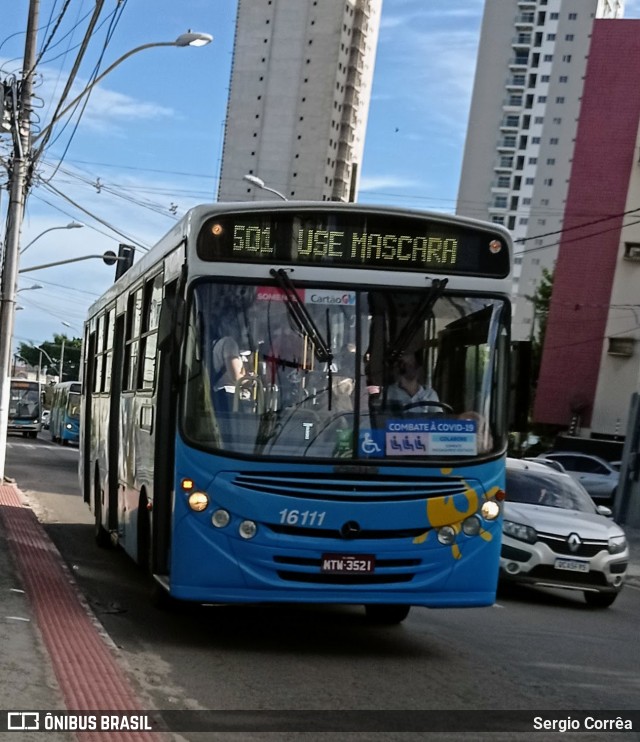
(31, 288)
(74, 225)
(259, 183)
(254, 180)
(191, 38)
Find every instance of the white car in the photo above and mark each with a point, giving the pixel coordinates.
(596, 475)
(554, 535)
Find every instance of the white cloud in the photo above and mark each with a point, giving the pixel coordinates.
(105, 108)
(380, 182)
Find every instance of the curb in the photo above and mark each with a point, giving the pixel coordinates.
(85, 666)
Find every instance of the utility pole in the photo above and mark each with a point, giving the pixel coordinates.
(19, 185)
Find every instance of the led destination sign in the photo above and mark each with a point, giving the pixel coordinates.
(355, 240)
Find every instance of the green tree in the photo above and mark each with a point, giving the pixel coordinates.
(541, 301)
(53, 349)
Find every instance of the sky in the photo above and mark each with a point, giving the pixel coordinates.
(148, 144)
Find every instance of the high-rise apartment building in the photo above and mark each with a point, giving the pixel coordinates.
(525, 106)
(299, 98)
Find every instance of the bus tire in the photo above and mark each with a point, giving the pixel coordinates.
(33, 434)
(100, 533)
(161, 599)
(386, 615)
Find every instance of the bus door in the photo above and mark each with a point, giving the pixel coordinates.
(86, 430)
(114, 420)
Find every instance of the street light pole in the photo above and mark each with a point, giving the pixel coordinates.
(22, 165)
(15, 214)
(71, 225)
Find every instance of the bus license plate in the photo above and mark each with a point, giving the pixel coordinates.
(572, 565)
(344, 564)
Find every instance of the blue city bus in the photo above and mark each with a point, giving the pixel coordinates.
(305, 478)
(64, 417)
(25, 407)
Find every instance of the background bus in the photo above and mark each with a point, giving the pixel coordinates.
(64, 417)
(303, 479)
(25, 407)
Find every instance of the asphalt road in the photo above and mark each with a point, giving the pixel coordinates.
(533, 650)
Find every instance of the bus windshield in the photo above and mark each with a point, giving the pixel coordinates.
(24, 400)
(411, 375)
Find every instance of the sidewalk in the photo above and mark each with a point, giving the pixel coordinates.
(54, 655)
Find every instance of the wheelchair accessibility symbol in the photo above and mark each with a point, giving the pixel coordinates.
(368, 444)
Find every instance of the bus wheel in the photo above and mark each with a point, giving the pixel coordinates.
(100, 533)
(161, 599)
(386, 615)
(33, 434)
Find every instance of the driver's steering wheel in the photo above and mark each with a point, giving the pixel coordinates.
(432, 403)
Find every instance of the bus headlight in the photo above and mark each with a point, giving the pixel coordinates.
(471, 526)
(247, 529)
(446, 535)
(198, 501)
(490, 510)
(220, 518)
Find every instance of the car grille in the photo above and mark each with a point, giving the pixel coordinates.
(377, 488)
(559, 545)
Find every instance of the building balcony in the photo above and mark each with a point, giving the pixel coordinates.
(356, 62)
(504, 165)
(508, 144)
(518, 62)
(351, 98)
(526, 19)
(354, 79)
(521, 40)
(345, 153)
(513, 101)
(516, 82)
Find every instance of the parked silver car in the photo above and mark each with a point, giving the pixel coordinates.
(596, 475)
(555, 536)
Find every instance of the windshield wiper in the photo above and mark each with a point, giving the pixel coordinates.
(301, 316)
(415, 321)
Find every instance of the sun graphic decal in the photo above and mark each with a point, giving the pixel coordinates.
(451, 510)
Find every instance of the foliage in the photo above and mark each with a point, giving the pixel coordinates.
(541, 301)
(50, 356)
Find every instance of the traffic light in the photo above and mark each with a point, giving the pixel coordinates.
(126, 253)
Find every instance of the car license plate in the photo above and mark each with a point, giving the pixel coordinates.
(572, 565)
(343, 564)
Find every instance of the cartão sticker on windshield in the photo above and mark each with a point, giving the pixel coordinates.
(433, 437)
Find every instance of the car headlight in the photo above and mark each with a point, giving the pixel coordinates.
(519, 531)
(617, 544)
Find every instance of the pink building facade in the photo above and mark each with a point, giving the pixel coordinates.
(588, 319)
